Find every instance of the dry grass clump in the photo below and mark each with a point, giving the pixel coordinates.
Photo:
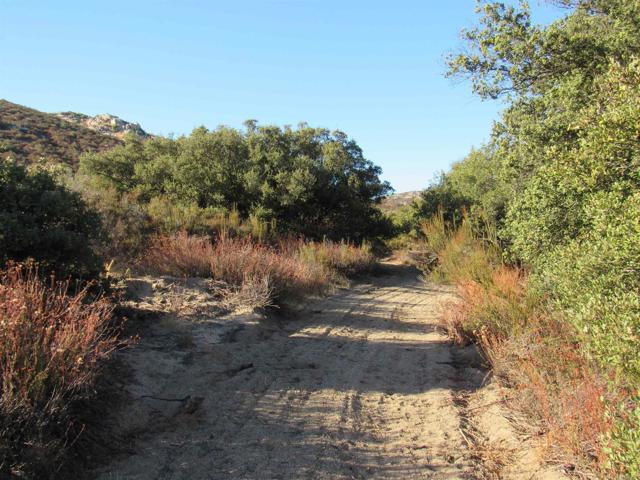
(560, 388)
(255, 293)
(263, 274)
(240, 262)
(343, 257)
(458, 255)
(501, 304)
(51, 344)
(180, 255)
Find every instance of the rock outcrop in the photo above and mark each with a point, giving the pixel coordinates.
(105, 124)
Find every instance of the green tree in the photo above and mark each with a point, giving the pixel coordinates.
(209, 168)
(473, 187)
(316, 182)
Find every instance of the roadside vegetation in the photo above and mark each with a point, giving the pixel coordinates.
(270, 274)
(540, 228)
(306, 182)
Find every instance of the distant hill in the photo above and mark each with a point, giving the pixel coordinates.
(398, 200)
(28, 135)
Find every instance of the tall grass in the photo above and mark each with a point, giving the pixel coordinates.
(535, 353)
(51, 344)
(459, 254)
(289, 270)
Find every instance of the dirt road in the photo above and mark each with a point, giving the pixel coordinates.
(360, 385)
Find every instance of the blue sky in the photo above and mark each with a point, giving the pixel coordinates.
(371, 68)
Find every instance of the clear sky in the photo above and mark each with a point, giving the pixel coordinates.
(373, 69)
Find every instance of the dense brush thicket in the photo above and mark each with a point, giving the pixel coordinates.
(305, 181)
(561, 178)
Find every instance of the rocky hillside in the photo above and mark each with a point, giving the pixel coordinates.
(28, 135)
(105, 124)
(398, 200)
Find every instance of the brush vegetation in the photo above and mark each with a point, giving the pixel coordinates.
(287, 270)
(40, 219)
(540, 228)
(306, 182)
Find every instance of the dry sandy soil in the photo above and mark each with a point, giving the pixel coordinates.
(358, 385)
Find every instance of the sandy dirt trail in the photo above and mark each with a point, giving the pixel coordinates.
(360, 385)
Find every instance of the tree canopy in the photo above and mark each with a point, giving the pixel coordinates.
(310, 181)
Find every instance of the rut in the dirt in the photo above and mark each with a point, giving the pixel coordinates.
(363, 385)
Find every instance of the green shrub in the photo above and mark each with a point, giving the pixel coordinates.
(44, 220)
(595, 280)
(126, 223)
(441, 199)
(472, 189)
(566, 153)
(170, 217)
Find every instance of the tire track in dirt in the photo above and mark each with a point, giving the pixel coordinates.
(360, 385)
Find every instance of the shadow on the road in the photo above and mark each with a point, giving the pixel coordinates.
(298, 401)
(358, 352)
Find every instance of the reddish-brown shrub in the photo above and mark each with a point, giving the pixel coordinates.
(51, 344)
(180, 255)
(536, 353)
(558, 386)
